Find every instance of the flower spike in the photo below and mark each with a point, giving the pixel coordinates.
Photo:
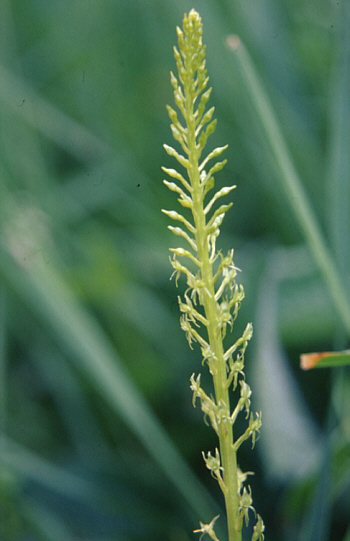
(212, 298)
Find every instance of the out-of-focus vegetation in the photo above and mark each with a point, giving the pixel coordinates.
(99, 440)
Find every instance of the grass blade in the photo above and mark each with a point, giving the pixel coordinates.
(294, 190)
(326, 359)
(339, 159)
(79, 334)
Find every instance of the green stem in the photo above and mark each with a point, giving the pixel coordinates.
(228, 456)
(227, 453)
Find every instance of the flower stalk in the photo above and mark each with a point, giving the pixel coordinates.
(212, 299)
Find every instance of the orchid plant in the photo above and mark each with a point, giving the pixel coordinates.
(210, 304)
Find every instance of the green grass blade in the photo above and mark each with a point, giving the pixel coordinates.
(342, 358)
(328, 359)
(28, 465)
(47, 119)
(45, 523)
(347, 536)
(317, 520)
(3, 364)
(79, 334)
(339, 159)
(294, 190)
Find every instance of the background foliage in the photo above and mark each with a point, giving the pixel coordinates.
(99, 440)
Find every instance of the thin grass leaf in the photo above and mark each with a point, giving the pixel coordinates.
(294, 190)
(76, 140)
(48, 525)
(347, 536)
(3, 363)
(339, 160)
(325, 359)
(79, 334)
(30, 466)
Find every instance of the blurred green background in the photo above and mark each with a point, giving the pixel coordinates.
(99, 440)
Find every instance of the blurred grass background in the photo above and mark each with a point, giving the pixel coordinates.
(99, 440)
